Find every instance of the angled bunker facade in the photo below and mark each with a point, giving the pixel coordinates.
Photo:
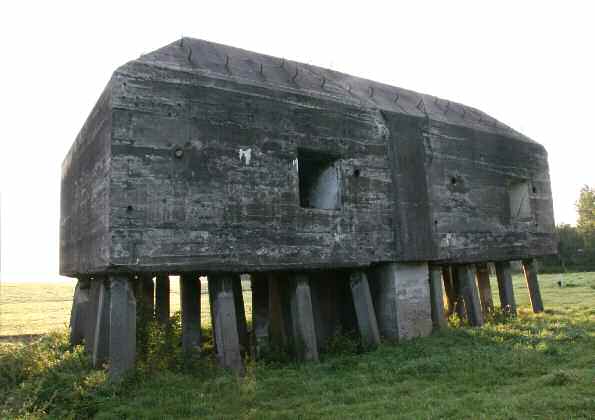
(349, 202)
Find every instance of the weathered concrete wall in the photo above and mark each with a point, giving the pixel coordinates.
(470, 176)
(84, 196)
(193, 152)
(237, 177)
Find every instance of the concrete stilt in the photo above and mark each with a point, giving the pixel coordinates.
(468, 290)
(238, 297)
(401, 296)
(122, 329)
(260, 313)
(328, 303)
(364, 309)
(77, 313)
(449, 289)
(437, 298)
(278, 329)
(190, 308)
(485, 289)
(147, 291)
(530, 271)
(459, 300)
(225, 324)
(162, 298)
(102, 335)
(302, 318)
(90, 314)
(505, 289)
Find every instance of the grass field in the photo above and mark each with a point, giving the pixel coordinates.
(37, 308)
(535, 366)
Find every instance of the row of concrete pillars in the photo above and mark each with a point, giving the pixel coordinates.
(295, 311)
(468, 291)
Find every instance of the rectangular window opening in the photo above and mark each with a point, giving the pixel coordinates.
(319, 180)
(520, 201)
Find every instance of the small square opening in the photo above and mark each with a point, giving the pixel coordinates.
(520, 201)
(319, 180)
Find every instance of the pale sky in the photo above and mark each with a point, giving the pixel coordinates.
(530, 64)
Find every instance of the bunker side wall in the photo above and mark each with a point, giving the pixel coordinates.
(471, 177)
(84, 198)
(205, 177)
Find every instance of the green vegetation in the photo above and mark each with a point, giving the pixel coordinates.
(532, 366)
(577, 243)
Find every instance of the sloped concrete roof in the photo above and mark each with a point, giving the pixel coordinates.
(224, 62)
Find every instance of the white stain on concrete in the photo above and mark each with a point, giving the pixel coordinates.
(245, 156)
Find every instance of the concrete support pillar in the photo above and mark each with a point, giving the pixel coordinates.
(278, 312)
(162, 298)
(401, 295)
(190, 308)
(459, 300)
(505, 289)
(302, 318)
(238, 297)
(449, 289)
(102, 334)
(90, 314)
(437, 298)
(122, 328)
(260, 313)
(364, 309)
(530, 271)
(467, 289)
(332, 304)
(147, 292)
(77, 313)
(485, 289)
(225, 324)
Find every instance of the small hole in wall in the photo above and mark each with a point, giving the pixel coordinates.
(128, 209)
(534, 190)
(179, 153)
(453, 181)
(356, 173)
(436, 222)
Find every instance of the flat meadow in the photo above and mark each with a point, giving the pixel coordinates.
(532, 366)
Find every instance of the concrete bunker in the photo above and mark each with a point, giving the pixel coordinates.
(350, 203)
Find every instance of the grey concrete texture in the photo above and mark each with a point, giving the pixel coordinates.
(437, 298)
(122, 329)
(261, 314)
(467, 289)
(242, 328)
(401, 296)
(100, 354)
(364, 309)
(485, 288)
(79, 300)
(162, 298)
(184, 161)
(530, 272)
(190, 312)
(225, 324)
(302, 318)
(505, 287)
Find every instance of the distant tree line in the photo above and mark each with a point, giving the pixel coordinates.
(576, 250)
